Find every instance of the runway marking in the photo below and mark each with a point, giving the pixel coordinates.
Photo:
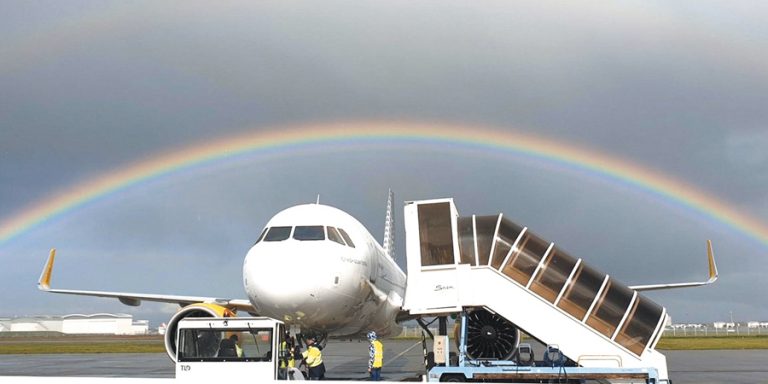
(406, 351)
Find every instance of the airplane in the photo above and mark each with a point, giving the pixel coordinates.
(349, 284)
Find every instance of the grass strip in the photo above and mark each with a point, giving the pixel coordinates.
(60, 348)
(155, 346)
(692, 343)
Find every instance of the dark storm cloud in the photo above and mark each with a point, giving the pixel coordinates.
(98, 87)
(638, 81)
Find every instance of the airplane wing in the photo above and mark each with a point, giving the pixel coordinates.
(712, 276)
(135, 299)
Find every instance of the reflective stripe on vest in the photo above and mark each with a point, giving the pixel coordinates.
(378, 354)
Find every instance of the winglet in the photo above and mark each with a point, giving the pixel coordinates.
(712, 276)
(44, 283)
(712, 265)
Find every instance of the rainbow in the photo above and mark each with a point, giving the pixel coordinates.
(302, 137)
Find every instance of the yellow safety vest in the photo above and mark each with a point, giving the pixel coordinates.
(313, 356)
(290, 358)
(378, 354)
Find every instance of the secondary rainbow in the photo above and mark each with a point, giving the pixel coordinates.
(300, 137)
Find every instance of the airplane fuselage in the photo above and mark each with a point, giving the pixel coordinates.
(317, 267)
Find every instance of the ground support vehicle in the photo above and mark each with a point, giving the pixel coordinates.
(250, 347)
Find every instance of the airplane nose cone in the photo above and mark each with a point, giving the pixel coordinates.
(280, 284)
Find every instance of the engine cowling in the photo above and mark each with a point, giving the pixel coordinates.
(490, 336)
(192, 310)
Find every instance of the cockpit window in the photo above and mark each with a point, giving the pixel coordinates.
(278, 234)
(310, 232)
(333, 235)
(346, 238)
(261, 237)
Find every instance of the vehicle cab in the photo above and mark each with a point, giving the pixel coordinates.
(215, 348)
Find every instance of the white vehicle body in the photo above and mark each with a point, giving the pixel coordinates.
(259, 339)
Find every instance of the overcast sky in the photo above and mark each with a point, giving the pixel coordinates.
(87, 88)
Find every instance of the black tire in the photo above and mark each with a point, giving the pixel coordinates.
(453, 378)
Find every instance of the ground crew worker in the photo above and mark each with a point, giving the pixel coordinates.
(314, 359)
(375, 356)
(289, 356)
(236, 341)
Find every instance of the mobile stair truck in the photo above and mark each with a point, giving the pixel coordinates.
(498, 280)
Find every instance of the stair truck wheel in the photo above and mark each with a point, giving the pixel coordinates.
(453, 378)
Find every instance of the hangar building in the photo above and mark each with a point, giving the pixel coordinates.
(99, 323)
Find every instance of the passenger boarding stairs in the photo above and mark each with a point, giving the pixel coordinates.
(456, 263)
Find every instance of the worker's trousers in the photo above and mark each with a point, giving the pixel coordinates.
(375, 374)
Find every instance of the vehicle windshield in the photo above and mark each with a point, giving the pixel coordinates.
(225, 345)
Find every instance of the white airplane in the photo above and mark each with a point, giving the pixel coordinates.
(349, 284)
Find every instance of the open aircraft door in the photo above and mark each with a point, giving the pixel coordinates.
(432, 244)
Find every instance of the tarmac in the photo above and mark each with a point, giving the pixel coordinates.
(347, 360)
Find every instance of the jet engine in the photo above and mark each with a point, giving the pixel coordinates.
(190, 311)
(490, 336)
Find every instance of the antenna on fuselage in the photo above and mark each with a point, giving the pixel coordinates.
(389, 227)
(318, 199)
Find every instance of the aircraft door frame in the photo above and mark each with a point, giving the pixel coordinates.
(432, 251)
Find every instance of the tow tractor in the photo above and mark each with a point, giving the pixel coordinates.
(250, 347)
